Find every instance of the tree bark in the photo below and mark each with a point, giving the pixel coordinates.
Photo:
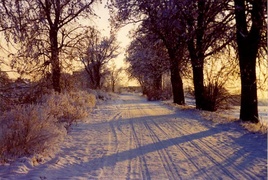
(198, 76)
(97, 76)
(157, 82)
(56, 70)
(248, 44)
(176, 80)
(249, 101)
(113, 86)
(198, 87)
(196, 50)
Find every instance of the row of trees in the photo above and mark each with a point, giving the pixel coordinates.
(147, 65)
(43, 32)
(195, 30)
(46, 38)
(99, 52)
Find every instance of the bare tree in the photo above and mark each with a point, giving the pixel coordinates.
(43, 29)
(209, 29)
(114, 76)
(148, 61)
(161, 18)
(250, 20)
(100, 50)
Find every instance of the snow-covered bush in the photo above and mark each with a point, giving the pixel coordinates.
(69, 107)
(28, 129)
(36, 128)
(102, 96)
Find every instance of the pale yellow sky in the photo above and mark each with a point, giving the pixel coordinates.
(104, 26)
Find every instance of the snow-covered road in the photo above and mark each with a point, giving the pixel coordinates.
(132, 138)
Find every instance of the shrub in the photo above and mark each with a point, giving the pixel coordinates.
(155, 95)
(5, 104)
(101, 95)
(215, 97)
(28, 129)
(220, 70)
(69, 107)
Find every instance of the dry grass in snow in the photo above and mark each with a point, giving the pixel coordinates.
(68, 107)
(259, 127)
(229, 116)
(28, 129)
(38, 128)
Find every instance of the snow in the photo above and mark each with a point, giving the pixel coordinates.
(131, 138)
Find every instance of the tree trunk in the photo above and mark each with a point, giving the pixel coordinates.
(196, 50)
(198, 79)
(96, 75)
(56, 71)
(144, 90)
(198, 76)
(176, 81)
(158, 82)
(249, 101)
(113, 84)
(143, 86)
(97, 80)
(248, 44)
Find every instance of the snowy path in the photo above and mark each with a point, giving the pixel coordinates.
(135, 139)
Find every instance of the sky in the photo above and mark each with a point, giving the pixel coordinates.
(103, 24)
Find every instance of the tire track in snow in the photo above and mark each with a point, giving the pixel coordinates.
(190, 146)
(126, 138)
(113, 143)
(166, 160)
(175, 170)
(180, 151)
(164, 155)
(113, 135)
(143, 164)
(136, 139)
(129, 166)
(134, 166)
(212, 154)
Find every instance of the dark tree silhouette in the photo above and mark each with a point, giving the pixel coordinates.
(148, 61)
(248, 42)
(99, 51)
(161, 19)
(208, 31)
